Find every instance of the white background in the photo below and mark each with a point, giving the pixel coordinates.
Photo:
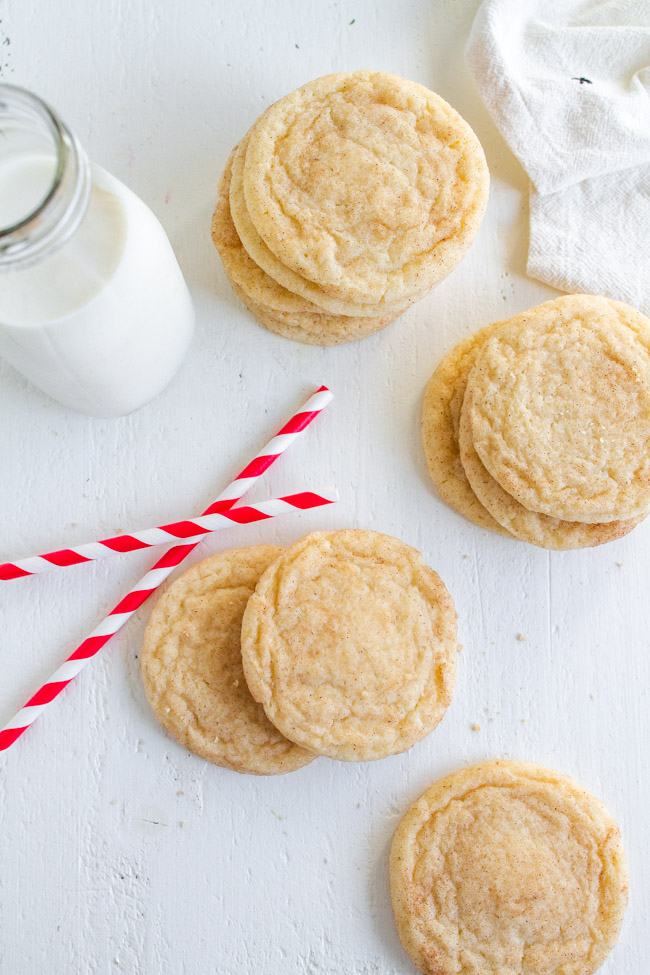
(120, 851)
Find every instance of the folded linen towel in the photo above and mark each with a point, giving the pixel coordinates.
(568, 84)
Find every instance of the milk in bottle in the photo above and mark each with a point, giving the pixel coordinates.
(93, 306)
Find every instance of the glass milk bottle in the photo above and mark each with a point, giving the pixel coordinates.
(93, 305)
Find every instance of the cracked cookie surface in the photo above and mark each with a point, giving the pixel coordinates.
(508, 868)
(462, 480)
(368, 185)
(285, 277)
(241, 269)
(531, 526)
(349, 643)
(278, 309)
(559, 407)
(192, 667)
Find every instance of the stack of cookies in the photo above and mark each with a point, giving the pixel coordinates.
(539, 427)
(346, 202)
(343, 645)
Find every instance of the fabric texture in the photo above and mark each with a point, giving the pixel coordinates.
(568, 84)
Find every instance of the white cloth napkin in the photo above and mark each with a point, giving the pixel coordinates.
(568, 84)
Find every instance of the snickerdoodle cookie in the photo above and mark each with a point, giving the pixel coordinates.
(192, 667)
(506, 868)
(349, 643)
(440, 424)
(278, 309)
(287, 279)
(368, 185)
(558, 403)
(531, 526)
(312, 328)
(239, 265)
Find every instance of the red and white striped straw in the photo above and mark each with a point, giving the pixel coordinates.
(185, 531)
(163, 567)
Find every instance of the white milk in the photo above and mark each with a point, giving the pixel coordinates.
(104, 322)
(24, 183)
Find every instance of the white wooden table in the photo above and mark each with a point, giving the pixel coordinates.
(119, 850)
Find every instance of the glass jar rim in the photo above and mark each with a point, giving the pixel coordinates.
(57, 216)
(27, 99)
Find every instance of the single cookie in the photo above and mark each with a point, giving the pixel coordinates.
(192, 668)
(559, 407)
(288, 279)
(531, 526)
(369, 185)
(507, 868)
(349, 643)
(319, 329)
(440, 422)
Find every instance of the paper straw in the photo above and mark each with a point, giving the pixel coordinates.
(186, 530)
(125, 609)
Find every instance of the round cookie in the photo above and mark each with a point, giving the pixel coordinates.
(349, 643)
(367, 184)
(531, 526)
(440, 422)
(506, 868)
(192, 668)
(559, 407)
(288, 279)
(318, 329)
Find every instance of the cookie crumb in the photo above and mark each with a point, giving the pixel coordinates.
(521, 637)
(459, 648)
(476, 727)
(620, 565)
(180, 793)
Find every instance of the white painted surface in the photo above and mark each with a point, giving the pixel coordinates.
(119, 851)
